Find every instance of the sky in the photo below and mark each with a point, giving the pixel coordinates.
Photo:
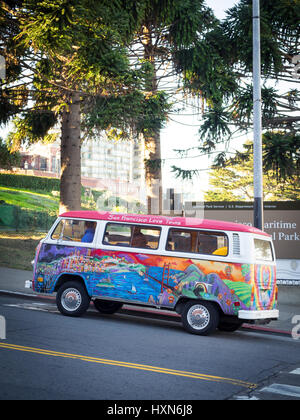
(219, 6)
(182, 132)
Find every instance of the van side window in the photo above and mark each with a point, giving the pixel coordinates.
(182, 240)
(75, 231)
(145, 237)
(187, 240)
(135, 236)
(117, 234)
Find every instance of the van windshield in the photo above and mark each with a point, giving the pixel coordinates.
(263, 250)
(75, 230)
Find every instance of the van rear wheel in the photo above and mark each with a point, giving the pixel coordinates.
(106, 306)
(200, 317)
(72, 299)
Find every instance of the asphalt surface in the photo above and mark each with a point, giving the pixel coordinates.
(124, 357)
(139, 355)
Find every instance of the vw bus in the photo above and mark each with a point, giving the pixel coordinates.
(215, 274)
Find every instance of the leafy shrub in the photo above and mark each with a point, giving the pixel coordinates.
(36, 183)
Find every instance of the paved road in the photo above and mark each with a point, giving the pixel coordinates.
(123, 357)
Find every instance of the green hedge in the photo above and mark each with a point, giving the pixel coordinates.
(30, 182)
(22, 219)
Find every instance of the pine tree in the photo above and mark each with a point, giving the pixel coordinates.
(164, 29)
(220, 72)
(61, 56)
(234, 181)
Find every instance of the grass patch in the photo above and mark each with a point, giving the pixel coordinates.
(17, 249)
(29, 199)
(39, 201)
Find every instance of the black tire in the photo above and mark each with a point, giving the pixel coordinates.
(106, 306)
(200, 317)
(72, 299)
(229, 326)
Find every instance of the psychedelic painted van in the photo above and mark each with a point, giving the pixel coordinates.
(214, 274)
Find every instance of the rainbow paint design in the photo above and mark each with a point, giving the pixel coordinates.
(157, 280)
(264, 291)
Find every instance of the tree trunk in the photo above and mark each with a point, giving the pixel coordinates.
(152, 140)
(70, 174)
(153, 173)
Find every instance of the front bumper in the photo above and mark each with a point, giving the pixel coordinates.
(271, 314)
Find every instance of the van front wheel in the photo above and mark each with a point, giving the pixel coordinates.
(72, 299)
(200, 317)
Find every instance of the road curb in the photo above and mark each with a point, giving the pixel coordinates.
(26, 295)
(264, 329)
(149, 313)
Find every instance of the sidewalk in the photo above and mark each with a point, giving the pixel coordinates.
(12, 280)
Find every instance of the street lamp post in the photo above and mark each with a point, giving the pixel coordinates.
(257, 124)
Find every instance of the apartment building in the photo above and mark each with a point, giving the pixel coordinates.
(117, 165)
(105, 159)
(105, 164)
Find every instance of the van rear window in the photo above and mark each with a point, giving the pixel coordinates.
(263, 250)
(195, 241)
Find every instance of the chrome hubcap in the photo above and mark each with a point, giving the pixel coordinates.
(71, 299)
(198, 317)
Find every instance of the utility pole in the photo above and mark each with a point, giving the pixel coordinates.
(257, 124)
